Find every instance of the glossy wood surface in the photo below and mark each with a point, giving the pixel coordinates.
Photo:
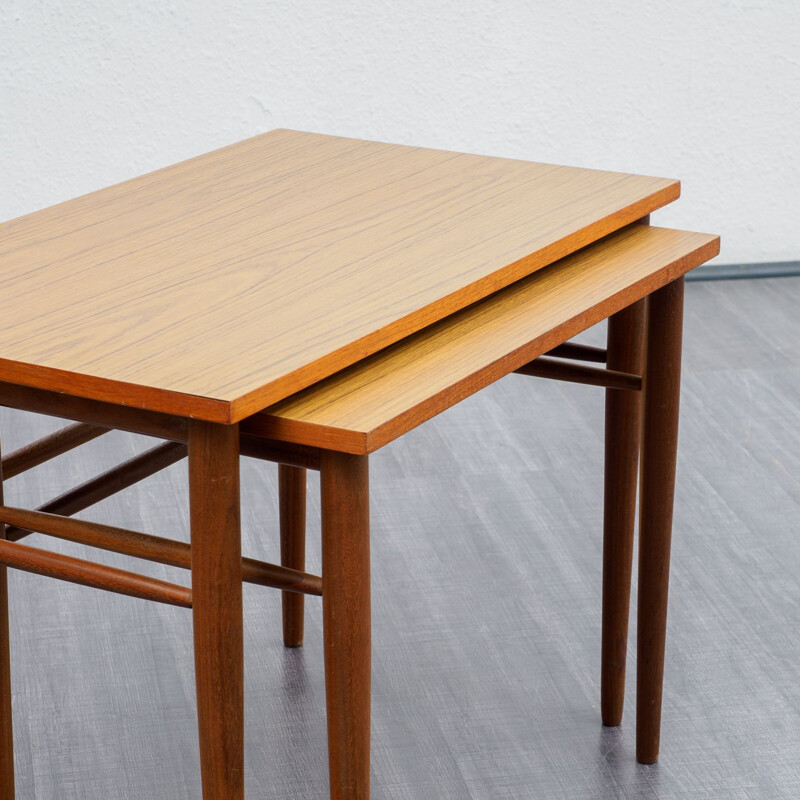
(346, 617)
(152, 548)
(557, 370)
(218, 286)
(625, 351)
(660, 407)
(292, 510)
(149, 423)
(96, 412)
(96, 576)
(373, 402)
(217, 606)
(579, 352)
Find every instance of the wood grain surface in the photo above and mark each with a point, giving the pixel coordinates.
(215, 522)
(218, 286)
(371, 403)
(659, 457)
(292, 523)
(625, 351)
(152, 548)
(347, 621)
(89, 573)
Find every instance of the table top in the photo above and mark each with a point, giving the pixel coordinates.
(218, 286)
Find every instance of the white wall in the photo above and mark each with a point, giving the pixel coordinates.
(95, 91)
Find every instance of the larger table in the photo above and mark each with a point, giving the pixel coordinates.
(306, 299)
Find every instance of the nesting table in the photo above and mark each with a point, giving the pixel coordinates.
(307, 299)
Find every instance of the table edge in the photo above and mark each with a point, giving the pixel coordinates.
(231, 411)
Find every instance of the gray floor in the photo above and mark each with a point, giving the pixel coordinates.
(486, 530)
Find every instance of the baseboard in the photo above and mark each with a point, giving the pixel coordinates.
(724, 272)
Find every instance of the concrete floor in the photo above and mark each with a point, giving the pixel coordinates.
(486, 564)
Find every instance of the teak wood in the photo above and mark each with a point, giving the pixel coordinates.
(623, 412)
(292, 504)
(344, 485)
(579, 373)
(216, 287)
(579, 352)
(87, 573)
(306, 299)
(662, 386)
(217, 606)
(370, 404)
(152, 548)
(149, 423)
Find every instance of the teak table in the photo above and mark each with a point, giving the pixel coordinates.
(307, 299)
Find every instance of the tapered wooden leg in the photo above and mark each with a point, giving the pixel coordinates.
(217, 606)
(659, 452)
(292, 500)
(346, 620)
(623, 419)
(6, 724)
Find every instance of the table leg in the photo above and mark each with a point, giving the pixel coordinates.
(659, 453)
(346, 620)
(217, 606)
(6, 723)
(292, 502)
(623, 419)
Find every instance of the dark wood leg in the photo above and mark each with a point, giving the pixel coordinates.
(6, 723)
(623, 419)
(346, 620)
(217, 606)
(659, 452)
(292, 499)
